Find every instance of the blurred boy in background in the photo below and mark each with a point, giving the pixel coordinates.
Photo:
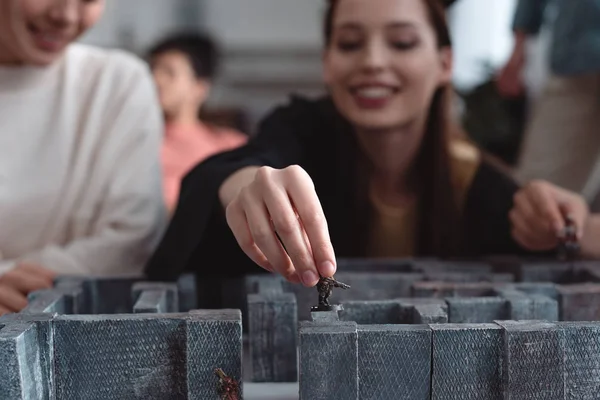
(183, 66)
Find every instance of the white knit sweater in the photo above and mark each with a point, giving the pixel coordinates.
(80, 183)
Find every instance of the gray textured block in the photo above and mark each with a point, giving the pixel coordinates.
(462, 277)
(78, 288)
(152, 301)
(582, 360)
(544, 308)
(545, 289)
(22, 374)
(327, 316)
(432, 267)
(120, 356)
(394, 362)
(75, 296)
(42, 358)
(49, 301)
(449, 289)
(187, 292)
(103, 295)
(580, 302)
(546, 272)
(111, 295)
(269, 285)
(328, 361)
(419, 310)
(529, 307)
(273, 329)
(472, 310)
(534, 365)
(467, 362)
(214, 340)
(429, 314)
(371, 312)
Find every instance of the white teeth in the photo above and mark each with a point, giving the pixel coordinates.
(375, 92)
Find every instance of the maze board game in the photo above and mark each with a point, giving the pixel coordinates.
(406, 329)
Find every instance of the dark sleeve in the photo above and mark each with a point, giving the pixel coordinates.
(198, 235)
(487, 208)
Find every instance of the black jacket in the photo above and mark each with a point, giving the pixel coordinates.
(313, 135)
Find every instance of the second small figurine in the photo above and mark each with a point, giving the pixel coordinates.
(569, 248)
(325, 287)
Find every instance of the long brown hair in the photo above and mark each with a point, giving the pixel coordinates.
(439, 222)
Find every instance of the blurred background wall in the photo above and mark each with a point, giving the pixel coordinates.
(273, 47)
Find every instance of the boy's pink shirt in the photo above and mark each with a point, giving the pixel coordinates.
(186, 146)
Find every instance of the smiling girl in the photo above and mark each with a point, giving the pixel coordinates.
(371, 170)
(80, 132)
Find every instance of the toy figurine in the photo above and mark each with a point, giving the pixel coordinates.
(569, 243)
(325, 287)
(228, 388)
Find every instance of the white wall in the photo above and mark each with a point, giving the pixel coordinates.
(265, 23)
(137, 22)
(481, 30)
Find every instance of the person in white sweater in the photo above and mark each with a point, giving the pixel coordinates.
(80, 135)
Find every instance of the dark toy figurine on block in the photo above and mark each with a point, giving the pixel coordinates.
(569, 242)
(325, 287)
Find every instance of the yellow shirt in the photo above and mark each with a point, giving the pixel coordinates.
(393, 228)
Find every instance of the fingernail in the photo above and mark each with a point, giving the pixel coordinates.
(327, 268)
(309, 278)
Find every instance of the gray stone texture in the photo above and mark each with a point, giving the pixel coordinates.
(104, 295)
(449, 289)
(371, 312)
(328, 361)
(546, 272)
(582, 360)
(49, 301)
(22, 369)
(423, 311)
(541, 288)
(464, 277)
(169, 356)
(522, 306)
(429, 314)
(398, 311)
(579, 302)
(332, 315)
(151, 301)
(467, 362)
(394, 362)
(120, 356)
(472, 310)
(187, 292)
(43, 345)
(214, 340)
(273, 331)
(78, 288)
(534, 366)
(156, 297)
